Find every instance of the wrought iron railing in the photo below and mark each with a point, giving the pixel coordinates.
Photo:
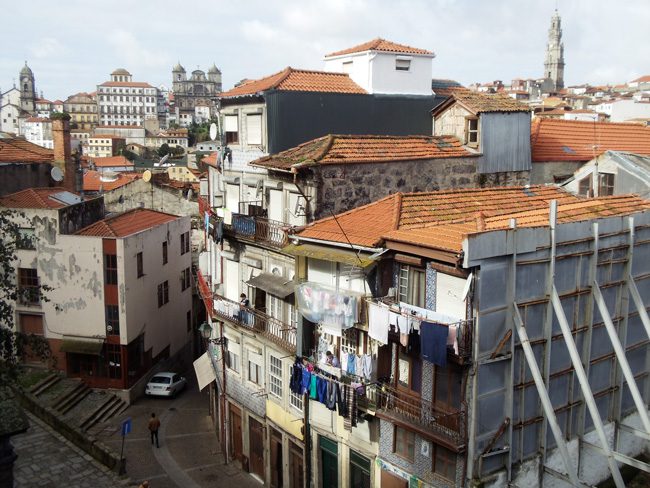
(273, 329)
(447, 424)
(258, 229)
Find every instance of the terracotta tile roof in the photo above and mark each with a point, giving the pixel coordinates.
(291, 79)
(42, 100)
(127, 223)
(410, 211)
(576, 140)
(94, 182)
(642, 79)
(383, 46)
(135, 84)
(441, 220)
(477, 102)
(349, 149)
(443, 87)
(210, 160)
(127, 127)
(39, 119)
(35, 198)
(111, 161)
(17, 150)
(364, 225)
(106, 136)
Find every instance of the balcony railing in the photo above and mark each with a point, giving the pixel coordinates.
(391, 403)
(258, 229)
(273, 329)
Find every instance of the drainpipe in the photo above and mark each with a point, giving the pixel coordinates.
(226, 411)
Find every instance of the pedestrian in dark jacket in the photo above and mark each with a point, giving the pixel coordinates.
(154, 425)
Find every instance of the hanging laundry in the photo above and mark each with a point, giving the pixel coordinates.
(358, 365)
(331, 395)
(321, 389)
(306, 380)
(340, 400)
(295, 383)
(433, 341)
(404, 340)
(352, 364)
(452, 338)
(378, 322)
(344, 360)
(413, 346)
(313, 387)
(227, 217)
(393, 320)
(367, 366)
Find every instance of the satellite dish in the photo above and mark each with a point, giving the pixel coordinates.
(163, 159)
(146, 176)
(213, 131)
(56, 173)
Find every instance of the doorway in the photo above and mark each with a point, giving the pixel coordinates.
(256, 442)
(235, 433)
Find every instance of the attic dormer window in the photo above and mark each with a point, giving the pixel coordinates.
(403, 63)
(471, 131)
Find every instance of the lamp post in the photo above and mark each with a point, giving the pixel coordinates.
(206, 332)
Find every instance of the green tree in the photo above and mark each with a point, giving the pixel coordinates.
(163, 149)
(14, 343)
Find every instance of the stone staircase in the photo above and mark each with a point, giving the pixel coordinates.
(75, 402)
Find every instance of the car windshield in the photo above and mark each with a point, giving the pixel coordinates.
(161, 379)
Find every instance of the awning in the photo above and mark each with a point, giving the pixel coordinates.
(204, 371)
(77, 345)
(329, 254)
(275, 285)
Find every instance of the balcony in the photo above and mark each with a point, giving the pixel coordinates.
(395, 405)
(281, 334)
(259, 230)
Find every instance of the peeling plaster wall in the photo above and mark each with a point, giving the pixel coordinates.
(138, 297)
(139, 193)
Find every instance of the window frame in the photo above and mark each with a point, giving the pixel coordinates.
(110, 269)
(258, 373)
(448, 460)
(163, 293)
(415, 290)
(275, 377)
(606, 184)
(469, 131)
(139, 264)
(29, 286)
(401, 442)
(112, 313)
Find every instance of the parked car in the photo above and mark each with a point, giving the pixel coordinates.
(165, 384)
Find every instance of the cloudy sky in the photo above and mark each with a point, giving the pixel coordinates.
(73, 45)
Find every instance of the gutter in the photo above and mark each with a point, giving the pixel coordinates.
(345, 245)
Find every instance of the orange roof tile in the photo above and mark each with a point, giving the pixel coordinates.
(111, 161)
(642, 79)
(93, 181)
(210, 160)
(17, 150)
(383, 46)
(442, 220)
(410, 211)
(349, 149)
(35, 198)
(106, 136)
(291, 79)
(38, 119)
(127, 223)
(576, 140)
(477, 102)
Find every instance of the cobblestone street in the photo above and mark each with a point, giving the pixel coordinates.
(46, 459)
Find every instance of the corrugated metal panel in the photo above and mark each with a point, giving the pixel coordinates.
(297, 117)
(505, 142)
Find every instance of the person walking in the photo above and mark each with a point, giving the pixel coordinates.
(154, 425)
(144, 484)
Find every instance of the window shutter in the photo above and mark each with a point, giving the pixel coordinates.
(230, 123)
(254, 129)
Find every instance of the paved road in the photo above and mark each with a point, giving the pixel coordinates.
(46, 459)
(189, 455)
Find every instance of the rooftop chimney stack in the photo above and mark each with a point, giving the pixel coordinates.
(62, 152)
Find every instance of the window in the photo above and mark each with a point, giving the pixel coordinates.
(402, 64)
(275, 376)
(110, 269)
(584, 186)
(447, 386)
(412, 285)
(140, 265)
(26, 239)
(185, 279)
(471, 131)
(233, 361)
(347, 66)
(404, 443)
(605, 184)
(254, 372)
(188, 320)
(254, 129)
(163, 293)
(29, 291)
(112, 320)
(444, 462)
(185, 242)
(359, 470)
(231, 128)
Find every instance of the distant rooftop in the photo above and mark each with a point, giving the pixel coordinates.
(381, 45)
(127, 223)
(50, 198)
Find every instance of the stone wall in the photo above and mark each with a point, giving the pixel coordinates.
(244, 396)
(19, 176)
(544, 172)
(344, 187)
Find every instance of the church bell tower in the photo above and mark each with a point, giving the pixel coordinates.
(554, 63)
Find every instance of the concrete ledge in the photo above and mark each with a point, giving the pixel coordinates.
(89, 444)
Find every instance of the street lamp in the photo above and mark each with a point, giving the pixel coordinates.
(206, 332)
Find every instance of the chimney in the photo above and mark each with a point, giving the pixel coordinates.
(480, 221)
(62, 153)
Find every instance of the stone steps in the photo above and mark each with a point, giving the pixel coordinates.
(106, 410)
(45, 384)
(70, 400)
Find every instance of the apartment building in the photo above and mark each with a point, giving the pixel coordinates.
(122, 101)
